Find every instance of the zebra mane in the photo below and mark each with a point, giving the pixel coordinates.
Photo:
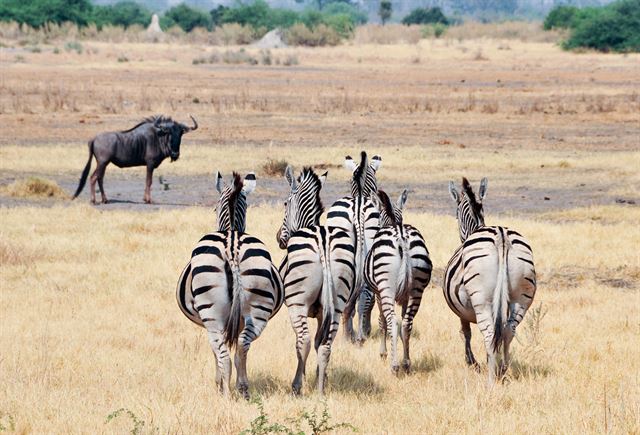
(233, 198)
(471, 197)
(308, 176)
(149, 119)
(360, 175)
(391, 213)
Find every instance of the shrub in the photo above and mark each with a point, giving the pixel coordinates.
(356, 16)
(615, 27)
(124, 13)
(186, 17)
(274, 167)
(73, 46)
(234, 34)
(37, 13)
(300, 34)
(34, 187)
(425, 16)
(560, 17)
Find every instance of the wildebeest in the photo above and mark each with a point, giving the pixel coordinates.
(147, 144)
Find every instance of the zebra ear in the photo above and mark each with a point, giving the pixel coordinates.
(483, 188)
(323, 178)
(376, 162)
(249, 183)
(350, 164)
(453, 192)
(291, 179)
(402, 200)
(219, 182)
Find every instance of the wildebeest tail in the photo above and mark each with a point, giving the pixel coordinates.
(501, 292)
(234, 322)
(85, 172)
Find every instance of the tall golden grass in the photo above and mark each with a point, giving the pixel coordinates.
(90, 325)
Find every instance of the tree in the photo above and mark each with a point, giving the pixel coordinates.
(217, 15)
(185, 17)
(385, 10)
(37, 13)
(425, 16)
(124, 13)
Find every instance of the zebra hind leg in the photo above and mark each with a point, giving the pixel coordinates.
(365, 306)
(223, 360)
(408, 312)
(303, 346)
(252, 330)
(465, 331)
(382, 324)
(324, 353)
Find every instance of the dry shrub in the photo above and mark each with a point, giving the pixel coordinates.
(233, 34)
(321, 35)
(34, 187)
(479, 56)
(274, 167)
(522, 30)
(389, 34)
(490, 107)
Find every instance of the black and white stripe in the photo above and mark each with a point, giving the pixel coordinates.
(357, 213)
(318, 271)
(231, 287)
(490, 280)
(398, 269)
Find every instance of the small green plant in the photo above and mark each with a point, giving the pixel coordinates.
(318, 423)
(122, 58)
(56, 50)
(73, 46)
(35, 49)
(19, 58)
(290, 60)
(265, 57)
(7, 423)
(138, 424)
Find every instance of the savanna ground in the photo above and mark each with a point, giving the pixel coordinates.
(89, 323)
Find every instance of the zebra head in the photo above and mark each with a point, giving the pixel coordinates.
(469, 213)
(231, 208)
(303, 206)
(390, 214)
(363, 181)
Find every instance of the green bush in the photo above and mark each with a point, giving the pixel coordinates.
(186, 17)
(300, 34)
(560, 17)
(124, 13)
(36, 13)
(615, 27)
(425, 16)
(356, 16)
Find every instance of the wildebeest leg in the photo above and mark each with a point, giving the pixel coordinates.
(92, 184)
(100, 170)
(147, 188)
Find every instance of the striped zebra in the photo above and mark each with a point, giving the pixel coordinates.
(397, 269)
(230, 287)
(490, 280)
(358, 213)
(318, 271)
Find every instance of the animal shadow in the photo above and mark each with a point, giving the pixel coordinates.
(523, 370)
(267, 385)
(347, 380)
(427, 364)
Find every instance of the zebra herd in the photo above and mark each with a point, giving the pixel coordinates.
(364, 254)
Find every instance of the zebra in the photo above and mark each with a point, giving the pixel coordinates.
(231, 287)
(397, 270)
(490, 280)
(358, 213)
(318, 271)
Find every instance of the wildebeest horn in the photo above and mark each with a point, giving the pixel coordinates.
(195, 124)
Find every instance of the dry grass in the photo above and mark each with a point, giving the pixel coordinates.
(89, 323)
(518, 30)
(34, 187)
(388, 34)
(84, 340)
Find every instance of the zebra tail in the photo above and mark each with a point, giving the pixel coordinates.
(501, 292)
(405, 272)
(85, 172)
(328, 303)
(233, 326)
(359, 266)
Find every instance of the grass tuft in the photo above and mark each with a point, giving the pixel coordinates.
(34, 187)
(274, 167)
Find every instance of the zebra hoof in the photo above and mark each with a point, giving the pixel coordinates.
(395, 369)
(383, 355)
(243, 389)
(296, 390)
(406, 365)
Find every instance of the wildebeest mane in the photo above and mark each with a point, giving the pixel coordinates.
(152, 119)
(471, 197)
